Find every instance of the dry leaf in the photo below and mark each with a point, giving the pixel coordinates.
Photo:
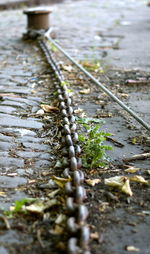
(94, 236)
(40, 112)
(53, 193)
(60, 181)
(138, 179)
(40, 205)
(32, 181)
(123, 95)
(103, 206)
(92, 182)
(120, 182)
(132, 248)
(2, 194)
(61, 218)
(132, 170)
(58, 230)
(12, 174)
(67, 68)
(48, 108)
(9, 95)
(85, 91)
(78, 110)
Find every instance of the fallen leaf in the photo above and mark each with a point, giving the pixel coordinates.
(85, 91)
(12, 174)
(9, 95)
(31, 181)
(58, 230)
(61, 218)
(147, 172)
(61, 181)
(48, 108)
(103, 206)
(92, 182)
(123, 95)
(132, 170)
(138, 179)
(94, 236)
(132, 248)
(67, 68)
(103, 114)
(53, 193)
(2, 194)
(120, 182)
(78, 110)
(40, 112)
(40, 205)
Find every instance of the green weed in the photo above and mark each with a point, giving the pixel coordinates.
(18, 206)
(52, 47)
(94, 150)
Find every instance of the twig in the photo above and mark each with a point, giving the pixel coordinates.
(5, 221)
(40, 239)
(142, 156)
(117, 143)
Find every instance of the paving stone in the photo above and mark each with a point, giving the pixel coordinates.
(5, 138)
(3, 250)
(10, 236)
(11, 182)
(40, 147)
(17, 90)
(11, 162)
(5, 146)
(25, 101)
(30, 154)
(13, 103)
(26, 138)
(42, 164)
(4, 154)
(7, 109)
(17, 132)
(8, 120)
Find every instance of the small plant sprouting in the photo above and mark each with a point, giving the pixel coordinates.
(94, 150)
(52, 47)
(18, 206)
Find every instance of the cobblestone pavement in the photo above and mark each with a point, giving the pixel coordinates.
(23, 150)
(88, 30)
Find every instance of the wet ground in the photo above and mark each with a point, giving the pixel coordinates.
(116, 35)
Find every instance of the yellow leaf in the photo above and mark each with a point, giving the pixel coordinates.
(85, 91)
(61, 218)
(67, 68)
(94, 236)
(58, 230)
(49, 108)
(40, 205)
(120, 182)
(132, 248)
(78, 110)
(92, 182)
(2, 194)
(60, 181)
(138, 179)
(132, 170)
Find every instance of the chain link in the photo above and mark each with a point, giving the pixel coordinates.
(78, 242)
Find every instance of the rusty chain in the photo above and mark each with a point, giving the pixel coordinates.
(77, 226)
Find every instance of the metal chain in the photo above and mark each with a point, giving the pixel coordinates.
(77, 226)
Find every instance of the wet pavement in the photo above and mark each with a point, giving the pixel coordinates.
(114, 32)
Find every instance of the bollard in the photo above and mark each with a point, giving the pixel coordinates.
(38, 18)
